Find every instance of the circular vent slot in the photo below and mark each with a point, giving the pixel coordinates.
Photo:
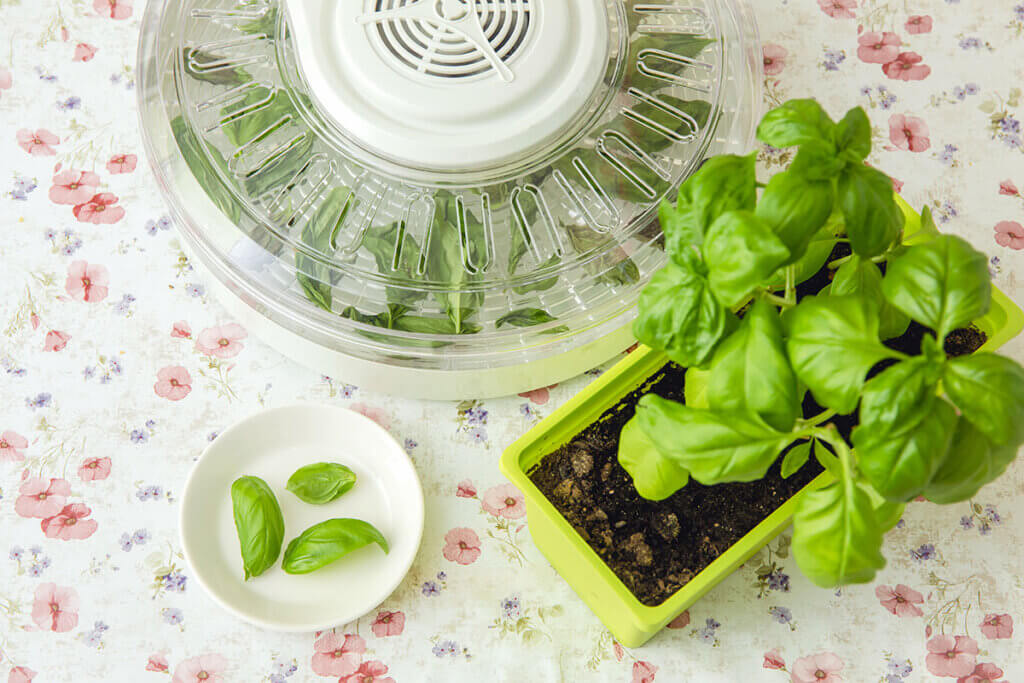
(452, 38)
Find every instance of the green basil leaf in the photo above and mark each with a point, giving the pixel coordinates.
(796, 458)
(326, 542)
(315, 277)
(873, 218)
(796, 122)
(887, 513)
(971, 462)
(655, 476)
(833, 343)
(928, 230)
(526, 317)
(818, 251)
(741, 252)
(259, 524)
(714, 447)
(685, 45)
(837, 537)
(679, 315)
(795, 209)
(750, 371)
(445, 263)
(198, 155)
(817, 160)
(989, 391)
(943, 284)
(381, 241)
(321, 482)
(724, 183)
(194, 58)
(653, 138)
(853, 134)
(861, 276)
(900, 458)
(266, 24)
(425, 325)
(900, 392)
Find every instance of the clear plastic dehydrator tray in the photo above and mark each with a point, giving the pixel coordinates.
(439, 198)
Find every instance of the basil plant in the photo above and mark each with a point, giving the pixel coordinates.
(928, 425)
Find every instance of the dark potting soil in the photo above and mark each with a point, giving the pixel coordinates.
(656, 547)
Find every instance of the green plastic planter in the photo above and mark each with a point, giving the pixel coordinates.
(631, 622)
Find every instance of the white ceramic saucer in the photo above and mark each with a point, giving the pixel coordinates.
(272, 445)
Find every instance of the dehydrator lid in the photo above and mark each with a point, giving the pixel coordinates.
(451, 183)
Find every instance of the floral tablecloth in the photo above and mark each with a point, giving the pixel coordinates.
(118, 368)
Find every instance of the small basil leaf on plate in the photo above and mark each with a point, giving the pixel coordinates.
(259, 524)
(321, 482)
(326, 542)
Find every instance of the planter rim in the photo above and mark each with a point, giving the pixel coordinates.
(1002, 323)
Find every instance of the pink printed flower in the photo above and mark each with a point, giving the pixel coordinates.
(682, 621)
(388, 624)
(115, 9)
(951, 656)
(122, 163)
(643, 672)
(83, 52)
(1010, 234)
(70, 523)
(56, 340)
(838, 9)
(1008, 188)
(773, 660)
(40, 143)
(618, 651)
(919, 23)
(222, 341)
(376, 414)
(504, 500)
(907, 67)
(774, 58)
(878, 48)
(820, 668)
(181, 330)
(983, 673)
(94, 469)
(157, 663)
(21, 674)
(87, 282)
(99, 209)
(5, 79)
(538, 396)
(73, 187)
(202, 669)
(466, 489)
(55, 607)
(41, 498)
(368, 672)
(11, 444)
(337, 655)
(901, 600)
(173, 383)
(909, 133)
(997, 626)
(897, 185)
(461, 545)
